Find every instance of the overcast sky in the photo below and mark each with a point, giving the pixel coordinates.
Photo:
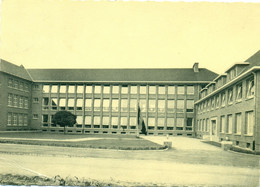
(87, 34)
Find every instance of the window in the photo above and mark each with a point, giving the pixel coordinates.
(171, 90)
(20, 119)
(25, 120)
(15, 84)
(88, 120)
(79, 120)
(207, 125)
(152, 90)
(151, 105)
(190, 90)
(133, 121)
(229, 124)
(230, 96)
(114, 104)
(54, 103)
(71, 103)
(35, 116)
(105, 120)
(26, 103)
(161, 105)
(213, 103)
(123, 121)
(80, 89)
(89, 89)
(249, 125)
(97, 105)
(133, 89)
(170, 122)
(14, 119)
(10, 99)
(142, 104)
(71, 89)
(217, 101)
(26, 87)
(190, 105)
(124, 104)
(45, 118)
(63, 89)
(10, 83)
(160, 123)
(106, 89)
(46, 88)
(88, 104)
(238, 123)
(97, 89)
(180, 104)
(189, 122)
(35, 100)
(114, 121)
(62, 103)
(161, 90)
(180, 123)
(133, 105)
(9, 119)
(170, 105)
(21, 102)
(79, 104)
(222, 124)
(250, 88)
(106, 105)
(223, 99)
(54, 89)
(180, 90)
(239, 92)
(115, 89)
(96, 120)
(20, 85)
(124, 89)
(151, 123)
(142, 89)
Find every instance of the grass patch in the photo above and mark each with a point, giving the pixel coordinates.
(122, 142)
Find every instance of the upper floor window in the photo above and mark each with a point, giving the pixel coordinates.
(223, 99)
(71, 89)
(250, 88)
(15, 84)
(63, 89)
(89, 89)
(230, 96)
(161, 90)
(217, 101)
(133, 89)
(180, 89)
(10, 83)
(190, 89)
(115, 89)
(239, 92)
(171, 90)
(80, 89)
(142, 89)
(21, 86)
(124, 89)
(97, 89)
(106, 89)
(46, 88)
(54, 89)
(152, 90)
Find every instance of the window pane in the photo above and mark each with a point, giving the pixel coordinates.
(88, 120)
(249, 123)
(89, 89)
(133, 121)
(161, 105)
(160, 122)
(80, 120)
(143, 104)
(88, 103)
(250, 88)
(152, 105)
(115, 89)
(238, 123)
(229, 124)
(97, 104)
(46, 88)
(161, 90)
(114, 121)
(54, 89)
(80, 89)
(105, 120)
(106, 105)
(142, 89)
(151, 121)
(71, 89)
(106, 89)
(180, 122)
(190, 89)
(152, 90)
(180, 104)
(96, 120)
(180, 89)
(170, 122)
(190, 104)
(115, 104)
(124, 90)
(133, 104)
(133, 89)
(171, 90)
(70, 102)
(124, 104)
(63, 89)
(97, 89)
(123, 121)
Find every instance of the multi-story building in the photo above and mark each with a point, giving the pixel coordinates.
(229, 106)
(105, 100)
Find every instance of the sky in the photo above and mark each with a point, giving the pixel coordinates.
(116, 34)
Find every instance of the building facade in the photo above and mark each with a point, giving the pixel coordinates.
(109, 101)
(228, 108)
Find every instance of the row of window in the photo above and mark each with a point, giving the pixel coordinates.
(226, 124)
(127, 121)
(18, 101)
(19, 85)
(108, 104)
(220, 99)
(124, 89)
(16, 119)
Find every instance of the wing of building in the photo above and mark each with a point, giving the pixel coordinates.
(106, 101)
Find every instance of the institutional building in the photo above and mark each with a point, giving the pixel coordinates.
(229, 106)
(192, 102)
(104, 100)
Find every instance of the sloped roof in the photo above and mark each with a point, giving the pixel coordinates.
(121, 75)
(253, 61)
(12, 69)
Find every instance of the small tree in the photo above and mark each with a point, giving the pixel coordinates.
(64, 118)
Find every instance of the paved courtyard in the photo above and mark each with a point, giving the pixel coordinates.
(190, 162)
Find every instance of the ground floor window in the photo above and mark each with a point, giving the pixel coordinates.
(249, 125)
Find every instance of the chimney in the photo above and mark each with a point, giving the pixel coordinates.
(196, 67)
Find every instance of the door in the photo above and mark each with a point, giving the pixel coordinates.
(213, 130)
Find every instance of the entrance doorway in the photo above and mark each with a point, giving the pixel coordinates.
(213, 129)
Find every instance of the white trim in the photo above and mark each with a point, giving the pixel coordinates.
(238, 63)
